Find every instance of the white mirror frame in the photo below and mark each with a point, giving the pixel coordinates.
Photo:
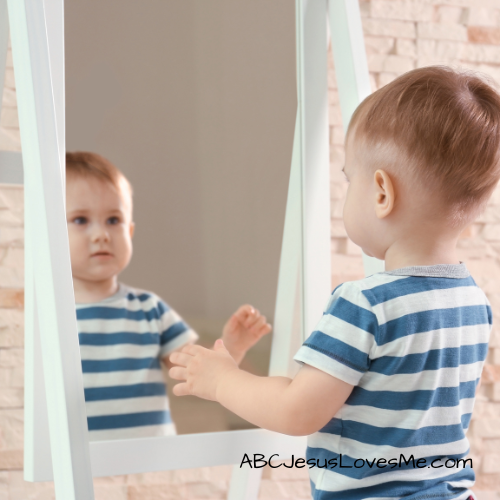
(54, 397)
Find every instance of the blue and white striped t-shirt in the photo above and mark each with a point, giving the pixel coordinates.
(122, 341)
(413, 342)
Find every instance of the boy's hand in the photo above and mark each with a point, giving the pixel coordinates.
(201, 369)
(243, 330)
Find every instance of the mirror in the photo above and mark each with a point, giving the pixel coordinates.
(195, 103)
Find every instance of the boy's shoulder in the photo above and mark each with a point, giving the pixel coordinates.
(131, 299)
(145, 299)
(386, 286)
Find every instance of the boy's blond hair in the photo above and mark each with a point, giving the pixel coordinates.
(86, 164)
(442, 127)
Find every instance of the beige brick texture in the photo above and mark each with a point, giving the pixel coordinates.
(400, 35)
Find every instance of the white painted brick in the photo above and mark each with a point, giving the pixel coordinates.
(9, 62)
(338, 136)
(11, 357)
(332, 81)
(399, 29)
(490, 71)
(336, 209)
(12, 257)
(271, 490)
(8, 141)
(491, 463)
(9, 78)
(481, 16)
(11, 337)
(11, 267)
(12, 197)
(11, 218)
(5, 377)
(11, 427)
(9, 118)
(337, 158)
(17, 377)
(334, 116)
(9, 98)
(12, 236)
(337, 191)
(11, 318)
(352, 249)
(495, 356)
(365, 7)
(447, 14)
(494, 338)
(405, 47)
(23, 490)
(337, 229)
(487, 427)
(481, 53)
(385, 78)
(484, 495)
(437, 31)
(440, 50)
(379, 44)
(491, 446)
(491, 232)
(11, 397)
(405, 10)
(376, 62)
(398, 64)
(297, 489)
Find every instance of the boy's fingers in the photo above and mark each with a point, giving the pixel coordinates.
(180, 358)
(181, 389)
(178, 373)
(260, 323)
(193, 350)
(253, 319)
(244, 312)
(265, 329)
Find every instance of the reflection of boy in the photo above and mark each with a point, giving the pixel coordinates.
(124, 332)
(389, 375)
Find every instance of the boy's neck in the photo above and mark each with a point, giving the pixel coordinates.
(421, 251)
(94, 291)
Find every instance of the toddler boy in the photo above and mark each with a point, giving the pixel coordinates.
(389, 375)
(125, 333)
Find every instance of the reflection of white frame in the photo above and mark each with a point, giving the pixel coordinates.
(54, 402)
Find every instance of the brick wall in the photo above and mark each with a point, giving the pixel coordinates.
(400, 35)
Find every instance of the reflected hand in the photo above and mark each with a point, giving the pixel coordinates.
(243, 330)
(201, 369)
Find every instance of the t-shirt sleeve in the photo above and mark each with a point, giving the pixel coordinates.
(174, 331)
(342, 341)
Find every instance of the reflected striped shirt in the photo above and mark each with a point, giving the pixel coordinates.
(413, 343)
(122, 341)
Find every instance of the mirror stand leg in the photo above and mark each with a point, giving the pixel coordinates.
(245, 484)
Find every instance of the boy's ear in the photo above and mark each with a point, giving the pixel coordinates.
(132, 229)
(384, 194)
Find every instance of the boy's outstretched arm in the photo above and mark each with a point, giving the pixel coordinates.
(298, 406)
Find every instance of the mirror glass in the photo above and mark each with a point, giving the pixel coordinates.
(195, 103)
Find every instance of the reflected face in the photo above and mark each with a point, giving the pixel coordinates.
(100, 228)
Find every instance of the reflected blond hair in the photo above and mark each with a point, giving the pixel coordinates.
(87, 164)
